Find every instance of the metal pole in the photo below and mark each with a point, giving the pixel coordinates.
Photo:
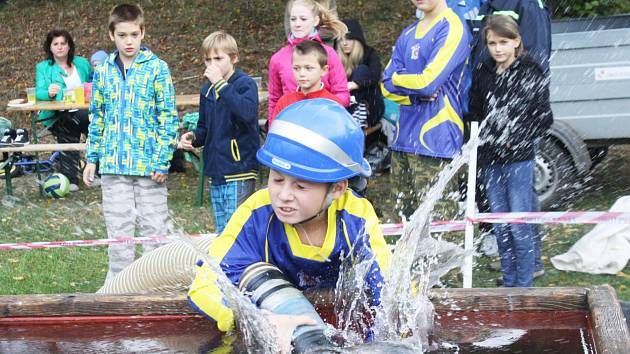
(469, 232)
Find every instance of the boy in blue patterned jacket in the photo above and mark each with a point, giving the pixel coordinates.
(425, 76)
(132, 135)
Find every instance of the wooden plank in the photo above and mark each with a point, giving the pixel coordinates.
(44, 148)
(94, 305)
(611, 331)
(509, 299)
(180, 100)
(490, 299)
(502, 299)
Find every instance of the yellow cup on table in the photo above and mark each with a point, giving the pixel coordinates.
(30, 94)
(258, 81)
(79, 94)
(68, 96)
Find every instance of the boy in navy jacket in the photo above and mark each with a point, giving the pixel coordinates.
(227, 128)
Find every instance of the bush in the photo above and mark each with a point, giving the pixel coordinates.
(590, 8)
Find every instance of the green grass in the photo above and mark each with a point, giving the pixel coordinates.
(29, 217)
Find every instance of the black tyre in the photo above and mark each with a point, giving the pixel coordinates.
(555, 175)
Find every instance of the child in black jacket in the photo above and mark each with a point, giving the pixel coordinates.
(510, 94)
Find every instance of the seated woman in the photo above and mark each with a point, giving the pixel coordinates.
(63, 70)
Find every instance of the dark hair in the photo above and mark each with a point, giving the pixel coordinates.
(125, 13)
(308, 47)
(503, 26)
(50, 37)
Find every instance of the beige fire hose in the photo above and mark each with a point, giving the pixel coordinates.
(166, 269)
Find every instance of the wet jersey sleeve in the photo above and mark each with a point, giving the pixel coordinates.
(240, 245)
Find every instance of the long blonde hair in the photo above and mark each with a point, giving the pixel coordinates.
(328, 18)
(352, 60)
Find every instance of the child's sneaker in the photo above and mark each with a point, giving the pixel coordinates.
(8, 137)
(21, 137)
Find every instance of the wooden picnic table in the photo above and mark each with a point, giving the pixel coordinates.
(180, 100)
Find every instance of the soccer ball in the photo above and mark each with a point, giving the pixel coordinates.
(56, 185)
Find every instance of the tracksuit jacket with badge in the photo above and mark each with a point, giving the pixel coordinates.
(254, 234)
(134, 123)
(423, 64)
(228, 129)
(534, 22)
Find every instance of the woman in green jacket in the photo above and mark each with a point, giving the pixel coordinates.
(60, 71)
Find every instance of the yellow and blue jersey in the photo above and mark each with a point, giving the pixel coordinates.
(425, 75)
(254, 234)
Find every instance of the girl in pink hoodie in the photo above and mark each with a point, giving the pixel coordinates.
(305, 18)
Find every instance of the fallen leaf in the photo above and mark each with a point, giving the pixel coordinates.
(624, 275)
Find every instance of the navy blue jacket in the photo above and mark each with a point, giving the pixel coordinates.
(534, 22)
(228, 129)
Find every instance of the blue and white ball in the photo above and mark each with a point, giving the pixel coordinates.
(56, 185)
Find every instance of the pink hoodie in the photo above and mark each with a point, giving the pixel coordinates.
(281, 80)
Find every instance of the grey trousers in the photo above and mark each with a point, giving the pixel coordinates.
(128, 200)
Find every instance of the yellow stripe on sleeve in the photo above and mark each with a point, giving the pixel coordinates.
(446, 114)
(220, 247)
(444, 56)
(404, 100)
(204, 292)
(208, 298)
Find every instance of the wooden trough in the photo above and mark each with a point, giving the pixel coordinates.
(106, 323)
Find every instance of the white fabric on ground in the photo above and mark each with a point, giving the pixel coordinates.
(604, 250)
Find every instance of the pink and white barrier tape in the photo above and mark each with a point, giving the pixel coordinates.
(548, 218)
(551, 218)
(388, 230)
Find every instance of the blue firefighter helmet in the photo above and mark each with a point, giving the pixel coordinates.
(315, 140)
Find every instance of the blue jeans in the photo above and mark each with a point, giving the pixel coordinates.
(227, 197)
(510, 188)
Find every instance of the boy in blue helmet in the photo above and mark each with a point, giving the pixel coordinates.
(306, 219)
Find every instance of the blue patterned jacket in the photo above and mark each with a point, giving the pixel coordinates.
(134, 123)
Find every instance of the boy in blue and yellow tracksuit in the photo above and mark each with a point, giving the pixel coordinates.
(307, 220)
(132, 135)
(425, 76)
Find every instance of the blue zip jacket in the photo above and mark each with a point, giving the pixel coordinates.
(534, 22)
(228, 129)
(134, 124)
(424, 64)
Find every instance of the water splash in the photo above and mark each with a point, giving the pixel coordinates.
(254, 329)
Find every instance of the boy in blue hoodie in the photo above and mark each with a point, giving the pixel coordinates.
(227, 128)
(132, 136)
